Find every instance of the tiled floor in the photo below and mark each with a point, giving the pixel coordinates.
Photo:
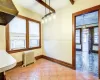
(89, 64)
(46, 70)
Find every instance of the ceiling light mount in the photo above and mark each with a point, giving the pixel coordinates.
(72, 1)
(46, 5)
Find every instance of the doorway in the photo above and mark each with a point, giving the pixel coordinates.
(87, 57)
(85, 23)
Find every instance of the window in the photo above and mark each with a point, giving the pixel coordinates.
(88, 18)
(33, 34)
(23, 34)
(78, 35)
(17, 33)
(96, 36)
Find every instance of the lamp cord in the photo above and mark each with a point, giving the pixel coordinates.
(45, 7)
(49, 5)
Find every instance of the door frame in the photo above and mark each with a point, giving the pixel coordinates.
(95, 8)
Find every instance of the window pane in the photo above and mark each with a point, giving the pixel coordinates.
(16, 43)
(79, 20)
(33, 34)
(88, 18)
(17, 30)
(77, 32)
(77, 39)
(91, 18)
(77, 36)
(95, 31)
(18, 25)
(96, 36)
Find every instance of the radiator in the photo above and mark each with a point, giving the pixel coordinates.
(28, 58)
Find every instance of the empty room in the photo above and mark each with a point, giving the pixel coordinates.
(49, 39)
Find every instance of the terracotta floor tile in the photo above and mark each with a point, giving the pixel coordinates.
(47, 70)
(45, 78)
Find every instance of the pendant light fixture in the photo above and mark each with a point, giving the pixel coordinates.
(48, 17)
(52, 13)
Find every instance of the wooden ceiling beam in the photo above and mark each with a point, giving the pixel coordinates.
(46, 5)
(72, 2)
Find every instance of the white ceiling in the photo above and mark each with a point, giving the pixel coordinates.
(36, 7)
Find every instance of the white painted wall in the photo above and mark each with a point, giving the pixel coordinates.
(58, 33)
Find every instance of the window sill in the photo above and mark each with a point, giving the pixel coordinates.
(21, 50)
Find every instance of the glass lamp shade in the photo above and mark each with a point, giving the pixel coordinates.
(46, 20)
(54, 16)
(50, 18)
